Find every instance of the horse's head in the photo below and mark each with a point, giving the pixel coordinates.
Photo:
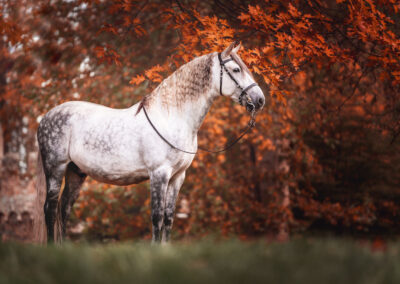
(233, 79)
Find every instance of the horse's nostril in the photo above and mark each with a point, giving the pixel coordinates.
(260, 101)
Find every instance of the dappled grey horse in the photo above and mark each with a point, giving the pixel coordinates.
(127, 146)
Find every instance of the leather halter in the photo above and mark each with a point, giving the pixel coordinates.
(243, 94)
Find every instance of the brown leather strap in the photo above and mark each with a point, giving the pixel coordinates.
(249, 126)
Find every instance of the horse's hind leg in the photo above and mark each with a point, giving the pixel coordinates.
(74, 179)
(170, 202)
(53, 137)
(53, 182)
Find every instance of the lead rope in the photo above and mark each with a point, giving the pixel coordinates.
(249, 126)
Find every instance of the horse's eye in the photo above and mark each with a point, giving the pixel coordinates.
(236, 70)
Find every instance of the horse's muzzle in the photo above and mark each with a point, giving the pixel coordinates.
(257, 100)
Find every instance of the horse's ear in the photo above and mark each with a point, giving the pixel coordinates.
(237, 48)
(228, 50)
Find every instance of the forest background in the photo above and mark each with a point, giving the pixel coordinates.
(324, 155)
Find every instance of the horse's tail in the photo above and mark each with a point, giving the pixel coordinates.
(58, 225)
(39, 225)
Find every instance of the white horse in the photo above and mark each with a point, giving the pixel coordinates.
(128, 146)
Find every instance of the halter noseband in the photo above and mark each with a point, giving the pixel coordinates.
(243, 94)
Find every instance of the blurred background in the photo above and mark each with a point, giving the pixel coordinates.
(323, 158)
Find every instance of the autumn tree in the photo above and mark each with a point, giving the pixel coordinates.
(292, 46)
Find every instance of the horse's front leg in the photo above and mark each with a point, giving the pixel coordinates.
(174, 186)
(158, 188)
(74, 179)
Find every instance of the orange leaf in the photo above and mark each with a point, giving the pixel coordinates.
(137, 80)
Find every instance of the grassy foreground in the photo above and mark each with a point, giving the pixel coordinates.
(301, 261)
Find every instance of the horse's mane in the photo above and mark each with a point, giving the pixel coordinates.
(188, 82)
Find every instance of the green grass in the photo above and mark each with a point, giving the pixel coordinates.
(300, 261)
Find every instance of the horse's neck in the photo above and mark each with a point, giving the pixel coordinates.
(186, 96)
(189, 114)
(194, 112)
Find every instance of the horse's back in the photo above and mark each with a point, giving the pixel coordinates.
(64, 115)
(82, 109)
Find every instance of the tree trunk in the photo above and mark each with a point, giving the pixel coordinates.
(1, 149)
(283, 173)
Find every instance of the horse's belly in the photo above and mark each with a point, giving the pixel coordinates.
(119, 179)
(111, 169)
(115, 174)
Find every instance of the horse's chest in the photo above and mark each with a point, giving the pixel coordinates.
(180, 161)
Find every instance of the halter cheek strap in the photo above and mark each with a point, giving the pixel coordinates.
(243, 94)
(222, 65)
